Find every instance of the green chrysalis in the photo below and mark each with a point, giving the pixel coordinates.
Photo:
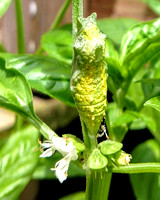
(88, 81)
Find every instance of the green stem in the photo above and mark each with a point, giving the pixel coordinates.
(42, 127)
(60, 15)
(98, 184)
(18, 123)
(57, 21)
(138, 168)
(90, 140)
(20, 27)
(77, 12)
(20, 47)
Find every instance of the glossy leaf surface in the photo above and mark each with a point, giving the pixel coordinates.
(58, 44)
(44, 74)
(137, 36)
(154, 103)
(16, 95)
(4, 4)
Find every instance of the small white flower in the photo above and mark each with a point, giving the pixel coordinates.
(67, 150)
(46, 148)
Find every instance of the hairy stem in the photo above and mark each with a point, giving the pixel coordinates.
(138, 168)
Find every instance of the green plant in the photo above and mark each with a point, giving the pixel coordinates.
(133, 68)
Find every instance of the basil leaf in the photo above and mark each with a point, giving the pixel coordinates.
(4, 4)
(45, 74)
(16, 95)
(138, 35)
(58, 44)
(146, 186)
(17, 162)
(115, 28)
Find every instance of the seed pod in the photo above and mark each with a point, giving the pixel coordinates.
(88, 81)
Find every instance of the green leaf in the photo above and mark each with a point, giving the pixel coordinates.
(134, 61)
(152, 81)
(113, 70)
(96, 160)
(118, 131)
(152, 124)
(74, 196)
(154, 5)
(149, 121)
(4, 4)
(115, 28)
(154, 103)
(16, 95)
(138, 35)
(44, 74)
(109, 147)
(18, 160)
(45, 164)
(110, 50)
(125, 118)
(58, 44)
(146, 186)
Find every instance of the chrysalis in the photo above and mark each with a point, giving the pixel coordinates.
(88, 81)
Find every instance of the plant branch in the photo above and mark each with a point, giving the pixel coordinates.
(138, 168)
(77, 12)
(60, 15)
(56, 21)
(20, 27)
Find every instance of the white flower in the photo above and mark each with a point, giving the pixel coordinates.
(61, 167)
(68, 151)
(46, 148)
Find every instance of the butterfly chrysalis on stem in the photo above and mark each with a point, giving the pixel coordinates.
(88, 81)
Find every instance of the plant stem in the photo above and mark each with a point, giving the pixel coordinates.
(98, 184)
(18, 123)
(57, 21)
(90, 140)
(60, 15)
(138, 168)
(77, 12)
(20, 47)
(20, 27)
